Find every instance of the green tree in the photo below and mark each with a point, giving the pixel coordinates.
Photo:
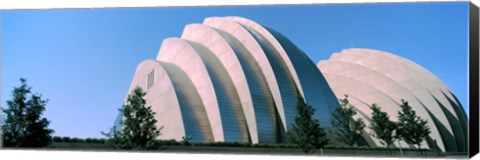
(382, 127)
(306, 131)
(23, 124)
(411, 128)
(186, 140)
(115, 139)
(139, 130)
(346, 129)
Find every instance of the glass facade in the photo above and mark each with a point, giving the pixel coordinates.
(193, 113)
(264, 107)
(317, 92)
(231, 112)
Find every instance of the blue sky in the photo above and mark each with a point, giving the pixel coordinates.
(84, 59)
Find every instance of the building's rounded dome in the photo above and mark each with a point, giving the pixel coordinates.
(370, 76)
(231, 79)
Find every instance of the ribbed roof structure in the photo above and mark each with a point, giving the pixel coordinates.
(231, 79)
(371, 76)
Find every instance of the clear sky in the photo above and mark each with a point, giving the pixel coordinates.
(84, 59)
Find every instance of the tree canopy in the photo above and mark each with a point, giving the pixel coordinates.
(382, 127)
(139, 130)
(23, 124)
(346, 129)
(411, 128)
(306, 131)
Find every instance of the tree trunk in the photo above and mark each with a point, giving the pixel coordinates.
(388, 149)
(420, 149)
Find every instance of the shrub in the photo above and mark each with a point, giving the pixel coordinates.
(57, 139)
(66, 139)
(169, 142)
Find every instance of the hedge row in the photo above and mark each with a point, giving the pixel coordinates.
(238, 144)
(220, 144)
(78, 140)
(226, 144)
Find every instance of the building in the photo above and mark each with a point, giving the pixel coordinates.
(370, 76)
(231, 79)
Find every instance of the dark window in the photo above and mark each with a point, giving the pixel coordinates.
(150, 79)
